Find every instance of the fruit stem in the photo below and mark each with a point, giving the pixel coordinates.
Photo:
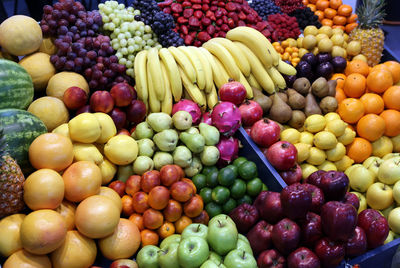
(198, 228)
(231, 80)
(244, 254)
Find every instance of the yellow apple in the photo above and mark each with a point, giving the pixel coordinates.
(349, 169)
(360, 178)
(396, 143)
(344, 163)
(379, 196)
(396, 192)
(389, 238)
(389, 171)
(394, 220)
(373, 163)
(382, 146)
(363, 201)
(387, 210)
(391, 155)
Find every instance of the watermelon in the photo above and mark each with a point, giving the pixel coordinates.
(16, 87)
(20, 128)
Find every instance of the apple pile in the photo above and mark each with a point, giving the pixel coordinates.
(314, 224)
(199, 245)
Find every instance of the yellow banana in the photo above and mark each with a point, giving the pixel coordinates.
(257, 69)
(212, 97)
(225, 57)
(210, 58)
(253, 82)
(192, 89)
(223, 77)
(276, 76)
(206, 67)
(184, 63)
(153, 65)
(154, 103)
(249, 91)
(173, 72)
(256, 42)
(141, 75)
(166, 104)
(286, 68)
(198, 67)
(237, 54)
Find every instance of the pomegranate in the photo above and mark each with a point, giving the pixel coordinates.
(282, 155)
(292, 175)
(251, 112)
(265, 132)
(233, 92)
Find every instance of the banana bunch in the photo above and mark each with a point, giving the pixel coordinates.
(166, 75)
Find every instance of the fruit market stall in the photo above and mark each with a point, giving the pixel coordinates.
(199, 134)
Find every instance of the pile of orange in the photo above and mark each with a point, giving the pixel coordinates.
(369, 101)
(333, 13)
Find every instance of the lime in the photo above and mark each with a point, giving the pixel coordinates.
(254, 187)
(229, 205)
(238, 161)
(264, 187)
(205, 194)
(213, 209)
(238, 189)
(200, 181)
(226, 176)
(212, 179)
(234, 168)
(220, 194)
(207, 169)
(248, 170)
(245, 199)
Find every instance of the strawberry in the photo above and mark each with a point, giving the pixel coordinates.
(225, 19)
(210, 29)
(186, 4)
(175, 7)
(221, 4)
(231, 23)
(241, 15)
(176, 15)
(196, 1)
(213, 8)
(203, 36)
(206, 2)
(205, 7)
(224, 12)
(205, 21)
(218, 13)
(230, 6)
(182, 20)
(166, 3)
(167, 10)
(196, 6)
(198, 14)
(219, 22)
(222, 34)
(193, 34)
(197, 43)
(233, 16)
(225, 27)
(251, 18)
(188, 40)
(188, 12)
(241, 23)
(214, 3)
(184, 29)
(194, 22)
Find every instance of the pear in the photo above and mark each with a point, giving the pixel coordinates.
(311, 105)
(296, 101)
(195, 142)
(192, 130)
(162, 159)
(182, 156)
(280, 111)
(210, 133)
(143, 131)
(194, 168)
(166, 140)
(159, 121)
(182, 120)
(209, 156)
(142, 164)
(146, 147)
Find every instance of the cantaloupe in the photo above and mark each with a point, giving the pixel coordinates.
(60, 82)
(39, 67)
(48, 46)
(50, 110)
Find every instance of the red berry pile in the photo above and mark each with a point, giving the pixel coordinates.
(288, 6)
(284, 27)
(197, 21)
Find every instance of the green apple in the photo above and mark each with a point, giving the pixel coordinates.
(243, 245)
(394, 220)
(396, 192)
(214, 257)
(175, 238)
(240, 259)
(192, 252)
(387, 210)
(211, 264)
(168, 256)
(389, 238)
(363, 201)
(222, 234)
(389, 171)
(360, 178)
(242, 237)
(379, 196)
(195, 229)
(148, 257)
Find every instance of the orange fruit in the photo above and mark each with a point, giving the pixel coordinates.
(327, 22)
(371, 127)
(339, 20)
(329, 13)
(312, 1)
(350, 27)
(305, 2)
(340, 95)
(353, 18)
(322, 4)
(357, 66)
(351, 110)
(127, 205)
(338, 26)
(166, 229)
(394, 68)
(320, 14)
(379, 67)
(181, 224)
(335, 4)
(391, 97)
(373, 103)
(392, 120)
(339, 79)
(359, 150)
(380, 80)
(354, 85)
(312, 7)
(138, 220)
(345, 10)
(149, 237)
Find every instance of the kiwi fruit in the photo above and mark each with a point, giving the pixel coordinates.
(320, 88)
(311, 105)
(332, 88)
(302, 85)
(328, 104)
(280, 111)
(296, 101)
(261, 99)
(297, 120)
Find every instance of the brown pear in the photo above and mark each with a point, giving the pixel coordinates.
(297, 120)
(261, 99)
(328, 104)
(302, 85)
(320, 87)
(332, 88)
(311, 105)
(296, 101)
(282, 95)
(280, 111)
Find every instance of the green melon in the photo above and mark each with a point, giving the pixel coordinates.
(16, 87)
(20, 129)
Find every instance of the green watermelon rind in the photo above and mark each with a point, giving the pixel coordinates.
(20, 129)
(16, 86)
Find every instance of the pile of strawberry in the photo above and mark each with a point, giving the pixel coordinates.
(283, 26)
(288, 6)
(197, 21)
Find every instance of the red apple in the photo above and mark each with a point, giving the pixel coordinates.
(315, 178)
(375, 226)
(334, 184)
(132, 184)
(118, 186)
(245, 216)
(271, 259)
(338, 220)
(292, 175)
(136, 111)
(311, 229)
(101, 101)
(83, 109)
(302, 258)
(330, 253)
(317, 197)
(265, 132)
(351, 199)
(233, 92)
(119, 117)
(75, 98)
(123, 263)
(269, 206)
(286, 236)
(260, 237)
(357, 244)
(123, 94)
(251, 112)
(282, 155)
(296, 201)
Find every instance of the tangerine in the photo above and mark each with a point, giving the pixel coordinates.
(322, 4)
(166, 229)
(149, 237)
(345, 10)
(335, 4)
(380, 80)
(354, 85)
(357, 66)
(371, 127)
(351, 110)
(392, 120)
(359, 150)
(394, 68)
(373, 103)
(391, 97)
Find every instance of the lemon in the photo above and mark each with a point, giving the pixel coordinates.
(307, 170)
(325, 140)
(84, 128)
(290, 135)
(337, 39)
(325, 30)
(344, 163)
(347, 137)
(331, 116)
(336, 126)
(327, 165)
(382, 146)
(321, 36)
(121, 150)
(303, 151)
(335, 154)
(317, 156)
(315, 123)
(107, 126)
(306, 137)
